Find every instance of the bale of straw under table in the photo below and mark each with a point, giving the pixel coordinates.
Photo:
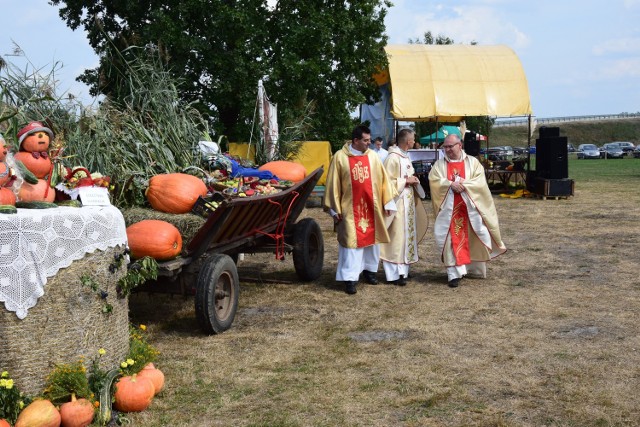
(67, 324)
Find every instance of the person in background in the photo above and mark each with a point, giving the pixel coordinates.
(409, 225)
(358, 195)
(466, 228)
(377, 147)
(416, 145)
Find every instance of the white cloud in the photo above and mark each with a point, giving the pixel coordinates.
(464, 24)
(622, 45)
(629, 67)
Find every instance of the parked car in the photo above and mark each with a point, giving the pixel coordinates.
(571, 148)
(611, 150)
(500, 153)
(627, 147)
(588, 151)
(636, 152)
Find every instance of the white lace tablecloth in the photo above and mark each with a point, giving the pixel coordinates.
(36, 243)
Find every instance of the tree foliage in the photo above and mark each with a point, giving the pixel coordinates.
(323, 52)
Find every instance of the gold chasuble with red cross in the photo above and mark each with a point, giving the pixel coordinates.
(358, 188)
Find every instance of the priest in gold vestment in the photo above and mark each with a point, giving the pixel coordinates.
(358, 195)
(409, 225)
(466, 228)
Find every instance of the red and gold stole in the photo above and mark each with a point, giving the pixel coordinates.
(459, 227)
(362, 191)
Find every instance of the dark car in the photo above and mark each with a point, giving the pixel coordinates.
(626, 147)
(636, 152)
(611, 151)
(500, 153)
(571, 148)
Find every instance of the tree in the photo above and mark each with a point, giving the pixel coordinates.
(306, 50)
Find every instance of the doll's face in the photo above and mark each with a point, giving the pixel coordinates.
(37, 141)
(4, 150)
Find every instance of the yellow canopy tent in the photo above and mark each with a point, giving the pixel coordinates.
(448, 82)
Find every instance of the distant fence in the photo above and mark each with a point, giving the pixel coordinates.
(522, 121)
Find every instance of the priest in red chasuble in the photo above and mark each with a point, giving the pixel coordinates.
(358, 195)
(466, 228)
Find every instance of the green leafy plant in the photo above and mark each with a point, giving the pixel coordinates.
(11, 399)
(140, 352)
(66, 380)
(97, 376)
(138, 272)
(89, 282)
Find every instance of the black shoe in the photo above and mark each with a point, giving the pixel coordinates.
(401, 281)
(453, 283)
(350, 287)
(370, 277)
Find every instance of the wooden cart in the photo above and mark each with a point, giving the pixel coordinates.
(207, 269)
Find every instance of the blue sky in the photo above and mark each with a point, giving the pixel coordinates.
(581, 57)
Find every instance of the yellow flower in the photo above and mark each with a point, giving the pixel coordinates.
(143, 327)
(123, 365)
(9, 384)
(21, 404)
(5, 374)
(102, 351)
(3, 382)
(130, 362)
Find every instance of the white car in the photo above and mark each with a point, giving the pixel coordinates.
(588, 151)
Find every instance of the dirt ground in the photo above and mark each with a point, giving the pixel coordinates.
(550, 338)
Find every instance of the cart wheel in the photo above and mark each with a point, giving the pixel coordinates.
(217, 293)
(308, 249)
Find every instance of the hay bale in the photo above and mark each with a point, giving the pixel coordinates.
(67, 323)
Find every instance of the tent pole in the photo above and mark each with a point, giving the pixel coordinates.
(528, 174)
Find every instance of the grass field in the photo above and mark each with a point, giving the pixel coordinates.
(550, 338)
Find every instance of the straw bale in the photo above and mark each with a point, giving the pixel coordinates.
(188, 224)
(67, 323)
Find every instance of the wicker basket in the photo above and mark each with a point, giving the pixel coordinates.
(67, 324)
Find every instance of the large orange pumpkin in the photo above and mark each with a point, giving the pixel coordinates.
(155, 238)
(39, 413)
(7, 197)
(175, 192)
(4, 423)
(133, 394)
(40, 167)
(36, 192)
(283, 169)
(154, 374)
(77, 413)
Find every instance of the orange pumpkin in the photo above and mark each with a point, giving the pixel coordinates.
(4, 423)
(285, 170)
(175, 192)
(77, 413)
(36, 192)
(36, 141)
(39, 413)
(155, 375)
(133, 394)
(155, 238)
(7, 197)
(40, 167)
